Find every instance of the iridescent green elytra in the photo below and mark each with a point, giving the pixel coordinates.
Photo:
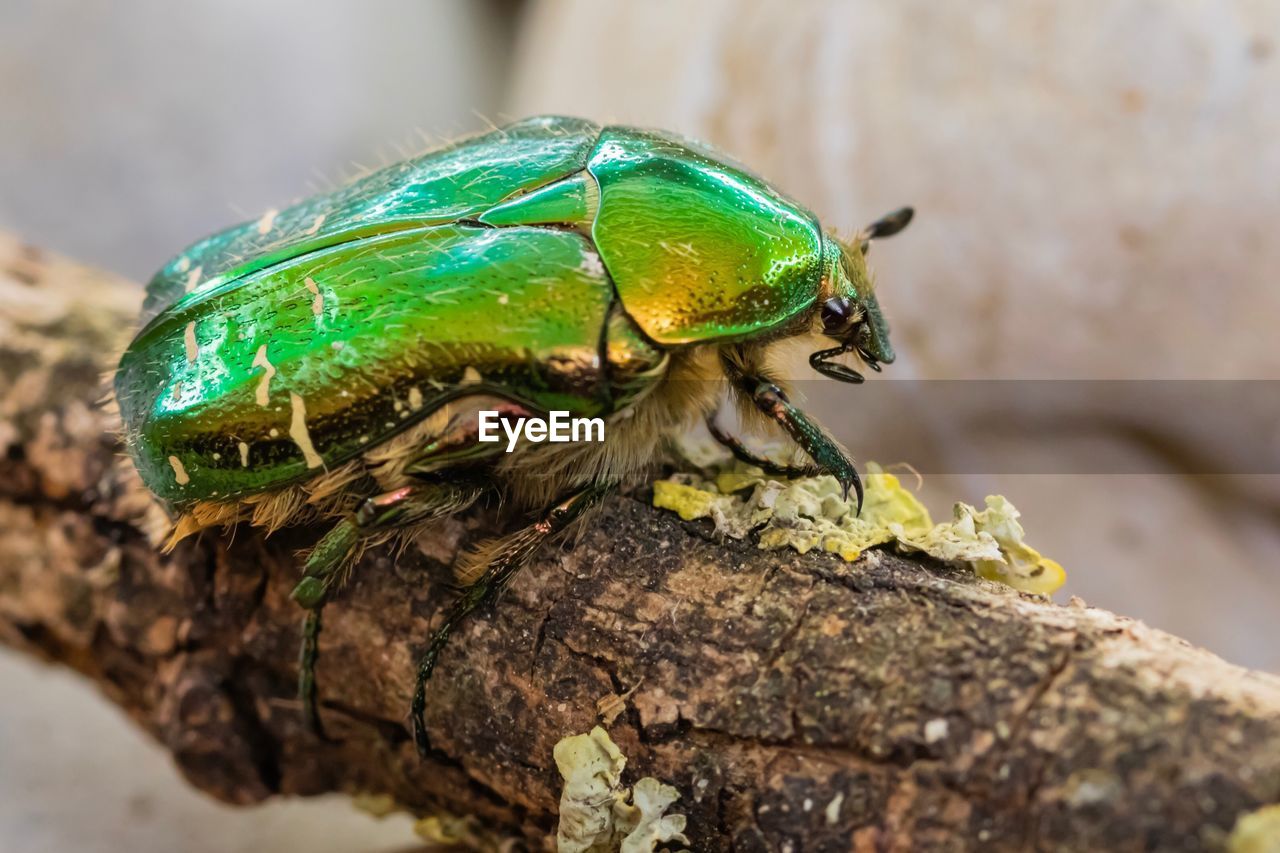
(552, 264)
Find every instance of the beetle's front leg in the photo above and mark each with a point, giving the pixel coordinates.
(745, 454)
(813, 439)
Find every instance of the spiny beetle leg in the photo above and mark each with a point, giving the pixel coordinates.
(511, 554)
(745, 454)
(821, 447)
(307, 670)
(389, 511)
(773, 402)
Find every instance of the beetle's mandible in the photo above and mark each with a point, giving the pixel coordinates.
(330, 360)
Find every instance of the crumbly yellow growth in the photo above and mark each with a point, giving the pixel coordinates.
(811, 513)
(440, 829)
(1257, 831)
(375, 805)
(463, 833)
(595, 816)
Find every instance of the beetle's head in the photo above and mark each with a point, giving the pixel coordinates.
(849, 312)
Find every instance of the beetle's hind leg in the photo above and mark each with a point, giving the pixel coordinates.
(504, 559)
(336, 550)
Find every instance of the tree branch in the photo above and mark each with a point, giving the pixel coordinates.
(797, 702)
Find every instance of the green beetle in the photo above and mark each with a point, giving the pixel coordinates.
(333, 360)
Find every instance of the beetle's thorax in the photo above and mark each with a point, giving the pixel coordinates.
(844, 272)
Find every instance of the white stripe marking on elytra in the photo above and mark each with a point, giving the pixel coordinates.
(269, 370)
(179, 473)
(189, 340)
(244, 455)
(300, 434)
(317, 303)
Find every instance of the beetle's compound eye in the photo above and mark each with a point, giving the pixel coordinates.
(837, 315)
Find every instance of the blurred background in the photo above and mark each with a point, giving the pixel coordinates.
(1097, 188)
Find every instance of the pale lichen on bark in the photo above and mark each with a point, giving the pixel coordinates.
(793, 701)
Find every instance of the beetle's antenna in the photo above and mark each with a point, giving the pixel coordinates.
(885, 226)
(889, 224)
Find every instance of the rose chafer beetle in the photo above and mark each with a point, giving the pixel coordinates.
(330, 360)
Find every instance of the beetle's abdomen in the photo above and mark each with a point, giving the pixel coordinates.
(266, 380)
(699, 250)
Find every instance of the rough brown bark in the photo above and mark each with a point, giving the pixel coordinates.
(796, 702)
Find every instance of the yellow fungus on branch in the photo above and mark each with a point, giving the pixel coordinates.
(811, 512)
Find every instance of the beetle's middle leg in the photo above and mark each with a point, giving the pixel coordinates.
(751, 381)
(392, 510)
(509, 555)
